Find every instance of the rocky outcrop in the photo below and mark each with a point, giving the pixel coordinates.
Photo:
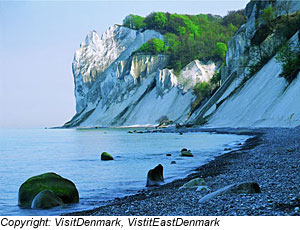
(195, 72)
(241, 52)
(95, 55)
(115, 87)
(155, 176)
(248, 99)
(63, 188)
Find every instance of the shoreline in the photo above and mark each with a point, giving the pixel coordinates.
(271, 158)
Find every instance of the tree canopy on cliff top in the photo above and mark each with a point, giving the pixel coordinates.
(187, 37)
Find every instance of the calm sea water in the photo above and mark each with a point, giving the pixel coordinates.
(75, 155)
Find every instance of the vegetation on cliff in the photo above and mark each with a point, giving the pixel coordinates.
(283, 27)
(187, 37)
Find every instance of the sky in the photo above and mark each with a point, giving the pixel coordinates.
(38, 40)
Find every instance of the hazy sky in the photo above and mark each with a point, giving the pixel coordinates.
(37, 43)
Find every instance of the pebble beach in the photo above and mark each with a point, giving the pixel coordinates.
(270, 157)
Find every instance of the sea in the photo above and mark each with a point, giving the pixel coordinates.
(75, 154)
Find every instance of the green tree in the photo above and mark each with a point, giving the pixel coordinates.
(171, 41)
(221, 50)
(134, 22)
(158, 45)
(268, 14)
(153, 46)
(156, 20)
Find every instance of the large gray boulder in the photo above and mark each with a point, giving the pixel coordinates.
(46, 199)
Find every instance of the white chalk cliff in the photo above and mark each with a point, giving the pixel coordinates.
(265, 100)
(114, 87)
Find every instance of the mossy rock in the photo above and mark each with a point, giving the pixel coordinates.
(155, 176)
(186, 153)
(46, 199)
(63, 188)
(106, 156)
(193, 184)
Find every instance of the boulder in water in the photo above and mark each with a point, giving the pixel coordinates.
(46, 199)
(186, 153)
(106, 156)
(155, 176)
(63, 188)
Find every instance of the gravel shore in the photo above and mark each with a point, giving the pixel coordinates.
(271, 158)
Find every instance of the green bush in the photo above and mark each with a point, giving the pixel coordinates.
(290, 59)
(202, 89)
(153, 46)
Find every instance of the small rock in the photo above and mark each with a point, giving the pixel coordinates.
(168, 154)
(186, 153)
(106, 157)
(173, 162)
(180, 133)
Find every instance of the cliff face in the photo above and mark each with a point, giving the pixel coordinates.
(96, 55)
(265, 99)
(114, 87)
(241, 52)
